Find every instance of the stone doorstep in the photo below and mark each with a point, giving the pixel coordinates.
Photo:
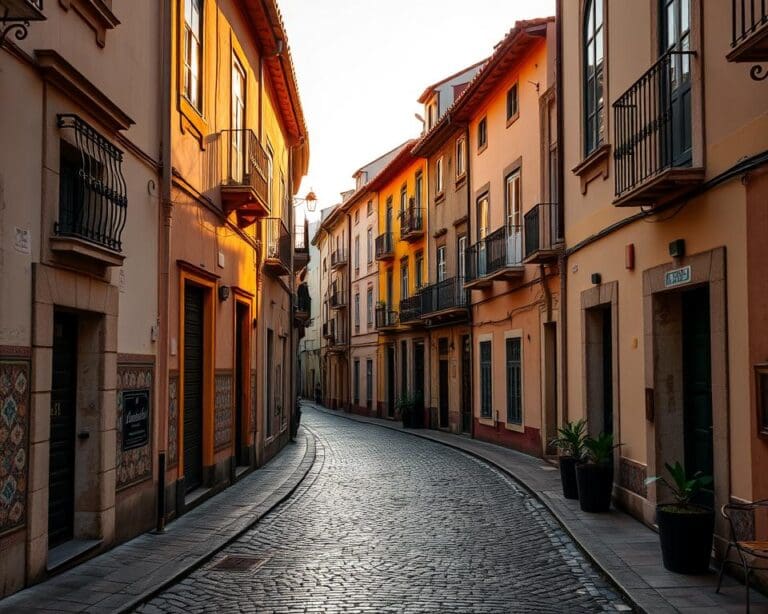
(647, 595)
(41, 597)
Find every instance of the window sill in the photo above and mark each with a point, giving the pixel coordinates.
(461, 180)
(192, 119)
(593, 166)
(487, 422)
(85, 249)
(439, 197)
(517, 428)
(482, 148)
(513, 119)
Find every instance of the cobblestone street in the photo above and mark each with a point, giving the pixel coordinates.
(386, 522)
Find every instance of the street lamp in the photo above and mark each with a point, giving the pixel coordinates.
(310, 201)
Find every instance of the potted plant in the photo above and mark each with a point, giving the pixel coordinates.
(594, 475)
(570, 443)
(405, 407)
(685, 528)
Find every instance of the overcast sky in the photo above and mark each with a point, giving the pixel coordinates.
(362, 64)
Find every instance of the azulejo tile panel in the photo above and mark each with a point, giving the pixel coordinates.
(173, 420)
(223, 410)
(632, 476)
(134, 423)
(14, 434)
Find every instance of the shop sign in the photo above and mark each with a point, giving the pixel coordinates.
(135, 418)
(677, 277)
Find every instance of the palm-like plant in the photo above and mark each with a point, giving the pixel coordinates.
(570, 439)
(599, 449)
(683, 489)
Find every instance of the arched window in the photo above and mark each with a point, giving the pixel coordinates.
(594, 116)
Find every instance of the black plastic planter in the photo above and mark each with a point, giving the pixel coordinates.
(568, 477)
(595, 486)
(686, 537)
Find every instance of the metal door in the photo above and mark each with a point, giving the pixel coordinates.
(193, 386)
(443, 386)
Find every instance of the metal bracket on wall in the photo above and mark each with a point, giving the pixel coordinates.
(15, 15)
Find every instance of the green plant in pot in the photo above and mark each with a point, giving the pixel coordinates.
(685, 527)
(405, 406)
(570, 444)
(594, 475)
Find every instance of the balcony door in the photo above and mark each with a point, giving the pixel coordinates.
(675, 38)
(513, 220)
(238, 121)
(483, 220)
(389, 215)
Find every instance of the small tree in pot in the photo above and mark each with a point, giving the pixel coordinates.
(570, 443)
(594, 475)
(685, 528)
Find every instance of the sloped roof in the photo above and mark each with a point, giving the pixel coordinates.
(428, 91)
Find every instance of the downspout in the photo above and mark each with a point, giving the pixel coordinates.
(164, 258)
(292, 297)
(469, 292)
(350, 315)
(563, 260)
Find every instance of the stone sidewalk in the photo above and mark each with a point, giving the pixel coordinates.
(129, 574)
(626, 550)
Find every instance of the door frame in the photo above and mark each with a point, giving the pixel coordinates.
(189, 274)
(242, 297)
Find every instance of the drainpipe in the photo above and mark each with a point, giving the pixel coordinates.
(350, 315)
(469, 292)
(292, 297)
(164, 258)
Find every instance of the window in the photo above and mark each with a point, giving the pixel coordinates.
(370, 207)
(404, 279)
(514, 381)
(369, 247)
(356, 383)
(462, 256)
(460, 157)
(483, 216)
(357, 311)
(325, 266)
(419, 268)
(193, 37)
(357, 253)
(439, 175)
(512, 102)
(419, 186)
(238, 120)
(369, 306)
(403, 199)
(512, 203)
(441, 263)
(369, 384)
(482, 134)
(357, 216)
(485, 380)
(270, 157)
(594, 129)
(389, 215)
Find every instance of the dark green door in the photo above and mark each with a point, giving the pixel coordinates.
(697, 383)
(390, 381)
(443, 389)
(675, 31)
(193, 386)
(61, 472)
(418, 379)
(466, 385)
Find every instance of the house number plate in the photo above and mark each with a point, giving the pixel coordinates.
(677, 277)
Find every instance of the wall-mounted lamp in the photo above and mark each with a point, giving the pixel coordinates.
(677, 248)
(597, 278)
(223, 293)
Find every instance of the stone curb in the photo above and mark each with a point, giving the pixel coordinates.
(279, 496)
(633, 601)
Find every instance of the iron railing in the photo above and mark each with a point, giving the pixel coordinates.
(338, 295)
(747, 16)
(93, 198)
(278, 241)
(338, 258)
(384, 246)
(446, 294)
(542, 228)
(385, 317)
(411, 221)
(301, 237)
(246, 162)
(645, 119)
(410, 309)
(499, 250)
(338, 335)
(303, 299)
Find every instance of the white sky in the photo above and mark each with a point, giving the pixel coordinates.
(362, 64)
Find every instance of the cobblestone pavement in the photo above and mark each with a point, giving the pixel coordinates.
(386, 522)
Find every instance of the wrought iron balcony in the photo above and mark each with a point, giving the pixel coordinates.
(244, 187)
(277, 260)
(338, 259)
(652, 124)
(498, 256)
(749, 34)
(411, 224)
(338, 296)
(410, 310)
(385, 318)
(444, 300)
(16, 15)
(93, 202)
(303, 303)
(327, 330)
(337, 342)
(385, 247)
(543, 234)
(301, 246)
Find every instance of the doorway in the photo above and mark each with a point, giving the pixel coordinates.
(550, 385)
(418, 380)
(599, 362)
(242, 369)
(194, 317)
(61, 471)
(466, 385)
(390, 381)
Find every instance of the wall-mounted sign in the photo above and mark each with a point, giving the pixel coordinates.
(135, 418)
(677, 277)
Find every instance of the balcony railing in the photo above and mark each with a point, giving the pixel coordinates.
(244, 187)
(385, 247)
(410, 309)
(543, 235)
(338, 258)
(303, 301)
(300, 246)
(443, 296)
(16, 15)
(411, 223)
(338, 296)
(652, 124)
(93, 202)
(749, 31)
(385, 317)
(338, 339)
(499, 255)
(278, 246)
(327, 330)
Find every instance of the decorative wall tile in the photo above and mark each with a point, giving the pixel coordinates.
(173, 420)
(632, 476)
(133, 465)
(14, 433)
(223, 411)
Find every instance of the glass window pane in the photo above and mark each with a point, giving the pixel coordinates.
(685, 17)
(671, 32)
(590, 16)
(599, 47)
(598, 14)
